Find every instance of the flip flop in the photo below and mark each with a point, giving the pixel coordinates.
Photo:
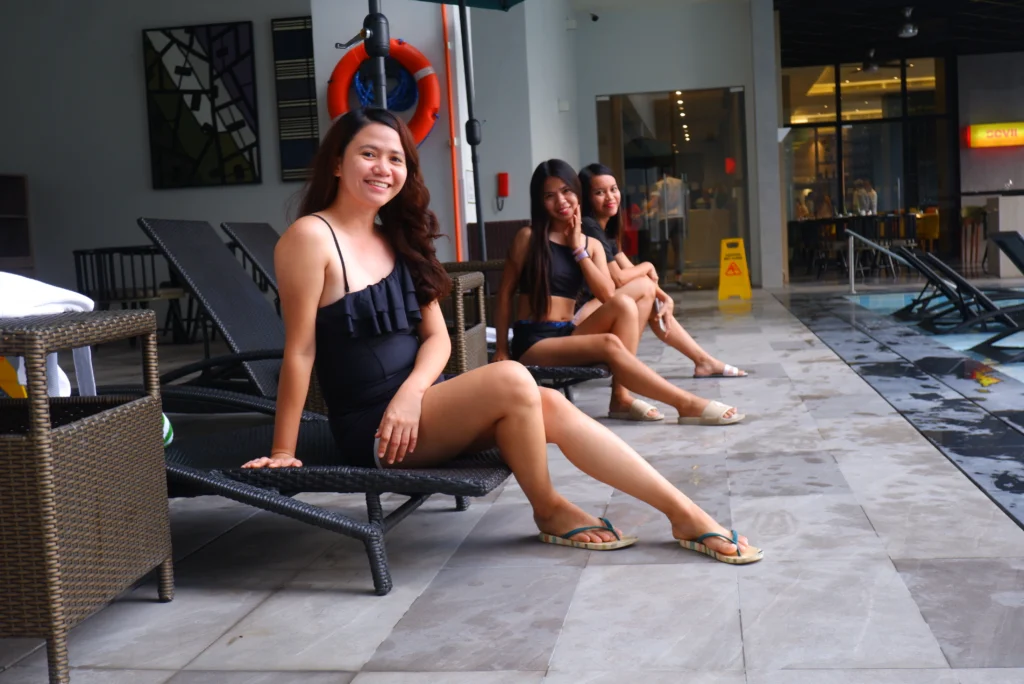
(638, 411)
(754, 554)
(564, 540)
(727, 372)
(714, 414)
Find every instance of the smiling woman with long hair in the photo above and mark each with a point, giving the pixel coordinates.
(601, 211)
(359, 284)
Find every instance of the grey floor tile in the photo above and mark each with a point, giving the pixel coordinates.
(974, 607)
(302, 626)
(656, 546)
(703, 478)
(38, 675)
(507, 537)
(467, 620)
(785, 473)
(805, 528)
(877, 433)
(262, 677)
(569, 480)
(995, 676)
(922, 507)
(13, 650)
(138, 632)
(426, 539)
(197, 521)
(633, 677)
(449, 678)
(936, 676)
(832, 614)
(658, 617)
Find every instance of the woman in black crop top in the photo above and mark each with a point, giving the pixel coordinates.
(545, 333)
(359, 284)
(601, 220)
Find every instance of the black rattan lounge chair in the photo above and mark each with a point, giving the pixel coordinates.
(210, 465)
(1012, 245)
(986, 310)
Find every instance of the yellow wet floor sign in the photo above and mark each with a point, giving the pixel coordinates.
(733, 276)
(9, 380)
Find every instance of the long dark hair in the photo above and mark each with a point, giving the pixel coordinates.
(537, 269)
(407, 222)
(587, 174)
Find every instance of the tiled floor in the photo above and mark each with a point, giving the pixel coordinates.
(884, 563)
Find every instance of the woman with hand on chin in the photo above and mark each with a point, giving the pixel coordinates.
(360, 284)
(549, 263)
(601, 220)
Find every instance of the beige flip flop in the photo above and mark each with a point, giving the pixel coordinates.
(714, 414)
(638, 411)
(564, 540)
(753, 555)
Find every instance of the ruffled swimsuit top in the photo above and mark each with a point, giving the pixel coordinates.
(366, 342)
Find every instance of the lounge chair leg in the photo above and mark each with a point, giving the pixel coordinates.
(57, 658)
(374, 510)
(166, 587)
(378, 557)
(462, 503)
(569, 394)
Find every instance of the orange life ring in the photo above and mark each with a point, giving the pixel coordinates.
(428, 102)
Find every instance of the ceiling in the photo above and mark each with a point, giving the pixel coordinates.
(823, 32)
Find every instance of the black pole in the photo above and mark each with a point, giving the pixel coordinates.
(378, 45)
(473, 131)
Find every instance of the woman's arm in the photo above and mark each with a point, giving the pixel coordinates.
(400, 426)
(628, 272)
(507, 291)
(300, 265)
(596, 273)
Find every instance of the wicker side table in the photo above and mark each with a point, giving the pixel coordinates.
(83, 491)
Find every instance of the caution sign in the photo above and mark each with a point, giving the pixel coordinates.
(733, 276)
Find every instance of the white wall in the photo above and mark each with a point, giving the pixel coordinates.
(419, 23)
(74, 121)
(503, 108)
(991, 91)
(684, 45)
(551, 69)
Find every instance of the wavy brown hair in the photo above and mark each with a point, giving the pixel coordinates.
(407, 222)
(537, 266)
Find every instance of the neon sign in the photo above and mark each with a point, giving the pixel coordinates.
(996, 135)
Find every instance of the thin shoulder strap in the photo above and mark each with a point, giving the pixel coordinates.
(344, 271)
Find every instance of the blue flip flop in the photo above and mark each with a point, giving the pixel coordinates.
(754, 554)
(564, 540)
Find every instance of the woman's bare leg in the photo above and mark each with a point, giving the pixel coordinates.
(597, 340)
(600, 453)
(466, 413)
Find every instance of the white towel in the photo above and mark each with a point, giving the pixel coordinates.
(492, 335)
(21, 296)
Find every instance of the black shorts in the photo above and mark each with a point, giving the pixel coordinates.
(525, 334)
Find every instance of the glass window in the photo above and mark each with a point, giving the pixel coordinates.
(680, 159)
(926, 86)
(873, 168)
(809, 95)
(810, 155)
(874, 93)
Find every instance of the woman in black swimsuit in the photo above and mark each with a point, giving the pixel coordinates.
(362, 299)
(549, 262)
(600, 203)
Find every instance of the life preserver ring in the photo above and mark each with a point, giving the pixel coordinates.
(428, 102)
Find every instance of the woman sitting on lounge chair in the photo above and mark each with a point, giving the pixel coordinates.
(600, 210)
(549, 262)
(362, 299)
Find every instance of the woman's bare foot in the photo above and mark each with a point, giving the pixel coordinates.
(622, 404)
(713, 367)
(697, 522)
(566, 517)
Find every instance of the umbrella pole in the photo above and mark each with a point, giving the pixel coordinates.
(378, 45)
(473, 130)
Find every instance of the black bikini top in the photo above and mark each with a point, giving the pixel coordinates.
(566, 277)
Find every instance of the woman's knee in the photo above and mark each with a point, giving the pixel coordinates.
(623, 305)
(611, 346)
(517, 386)
(648, 288)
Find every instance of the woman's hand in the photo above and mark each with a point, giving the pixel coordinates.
(577, 240)
(652, 272)
(399, 428)
(664, 312)
(280, 459)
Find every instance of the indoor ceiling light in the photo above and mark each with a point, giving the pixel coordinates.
(909, 29)
(682, 113)
(679, 102)
(679, 92)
